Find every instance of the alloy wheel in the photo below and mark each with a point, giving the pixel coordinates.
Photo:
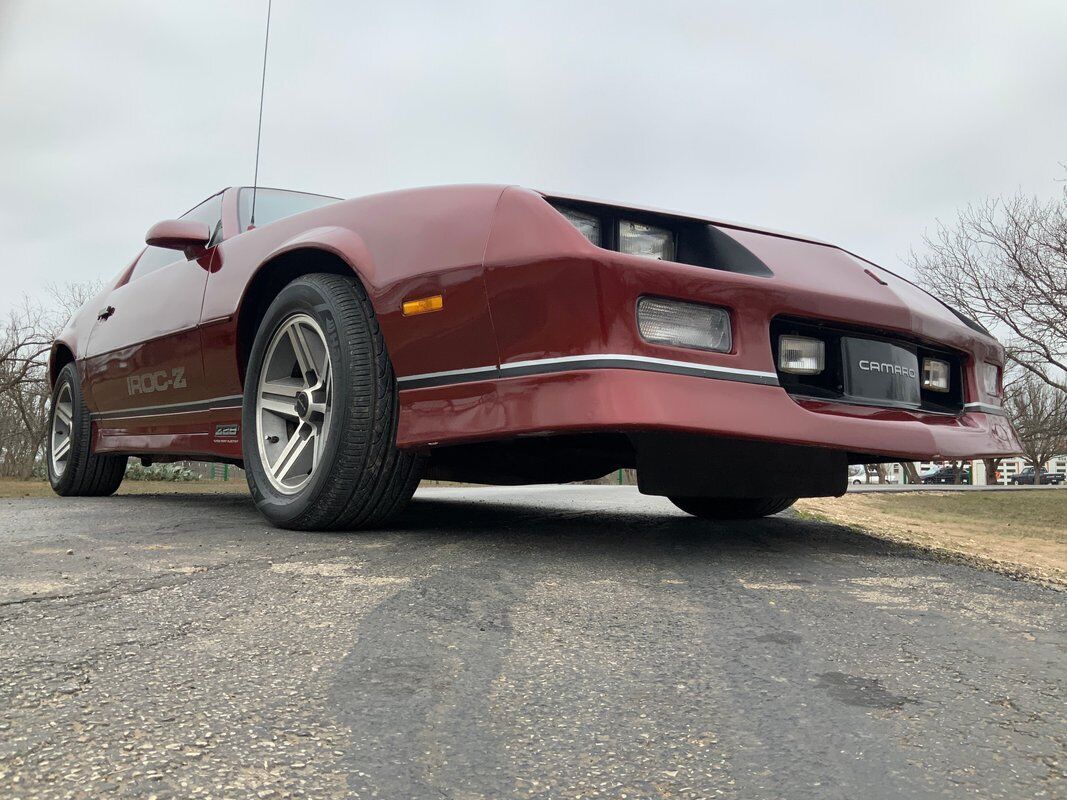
(62, 425)
(294, 403)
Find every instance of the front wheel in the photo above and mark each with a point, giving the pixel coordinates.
(727, 508)
(320, 412)
(73, 469)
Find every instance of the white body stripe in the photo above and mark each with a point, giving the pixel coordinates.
(578, 361)
(666, 362)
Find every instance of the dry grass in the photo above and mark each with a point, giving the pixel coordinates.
(1021, 532)
(16, 488)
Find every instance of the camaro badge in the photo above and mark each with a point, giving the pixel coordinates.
(885, 366)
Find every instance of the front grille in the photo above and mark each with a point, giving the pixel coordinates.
(830, 383)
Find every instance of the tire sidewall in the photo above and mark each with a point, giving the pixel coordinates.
(299, 297)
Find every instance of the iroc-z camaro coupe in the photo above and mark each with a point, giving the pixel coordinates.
(340, 349)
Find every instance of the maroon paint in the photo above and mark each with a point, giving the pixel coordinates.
(518, 283)
(631, 400)
(177, 234)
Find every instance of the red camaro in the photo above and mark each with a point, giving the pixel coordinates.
(341, 349)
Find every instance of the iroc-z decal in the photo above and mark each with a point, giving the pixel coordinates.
(158, 381)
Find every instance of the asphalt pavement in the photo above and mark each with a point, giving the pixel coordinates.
(495, 643)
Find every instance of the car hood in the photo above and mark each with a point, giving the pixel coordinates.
(824, 282)
(818, 279)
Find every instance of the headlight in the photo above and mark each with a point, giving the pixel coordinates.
(936, 375)
(587, 224)
(639, 239)
(991, 379)
(801, 355)
(684, 324)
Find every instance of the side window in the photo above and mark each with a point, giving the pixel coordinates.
(275, 204)
(152, 259)
(209, 212)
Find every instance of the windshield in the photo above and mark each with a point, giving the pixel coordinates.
(275, 204)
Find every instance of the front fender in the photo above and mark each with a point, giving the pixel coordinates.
(342, 242)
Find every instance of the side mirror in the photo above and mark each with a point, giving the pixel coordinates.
(178, 234)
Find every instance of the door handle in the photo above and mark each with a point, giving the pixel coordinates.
(107, 312)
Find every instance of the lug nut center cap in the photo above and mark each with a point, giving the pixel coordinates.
(303, 404)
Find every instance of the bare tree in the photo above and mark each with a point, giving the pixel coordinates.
(25, 340)
(1004, 262)
(24, 345)
(1039, 413)
(910, 472)
(991, 467)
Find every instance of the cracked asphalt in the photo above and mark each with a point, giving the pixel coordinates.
(544, 642)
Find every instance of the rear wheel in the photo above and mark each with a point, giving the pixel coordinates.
(725, 508)
(320, 412)
(73, 469)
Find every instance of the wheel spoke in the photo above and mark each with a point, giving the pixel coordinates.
(279, 462)
(60, 450)
(290, 455)
(282, 406)
(304, 359)
(326, 379)
(63, 413)
(282, 388)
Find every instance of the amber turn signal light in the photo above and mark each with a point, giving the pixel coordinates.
(424, 305)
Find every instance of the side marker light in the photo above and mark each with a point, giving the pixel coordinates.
(424, 305)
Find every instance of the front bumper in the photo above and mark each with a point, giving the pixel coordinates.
(637, 400)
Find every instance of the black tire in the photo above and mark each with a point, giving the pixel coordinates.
(85, 474)
(362, 479)
(725, 508)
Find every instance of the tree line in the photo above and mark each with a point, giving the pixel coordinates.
(1003, 262)
(25, 341)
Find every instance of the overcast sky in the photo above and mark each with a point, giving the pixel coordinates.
(859, 123)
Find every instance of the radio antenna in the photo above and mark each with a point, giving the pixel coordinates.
(259, 128)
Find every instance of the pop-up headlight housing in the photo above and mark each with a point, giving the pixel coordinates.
(659, 236)
(587, 224)
(639, 239)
